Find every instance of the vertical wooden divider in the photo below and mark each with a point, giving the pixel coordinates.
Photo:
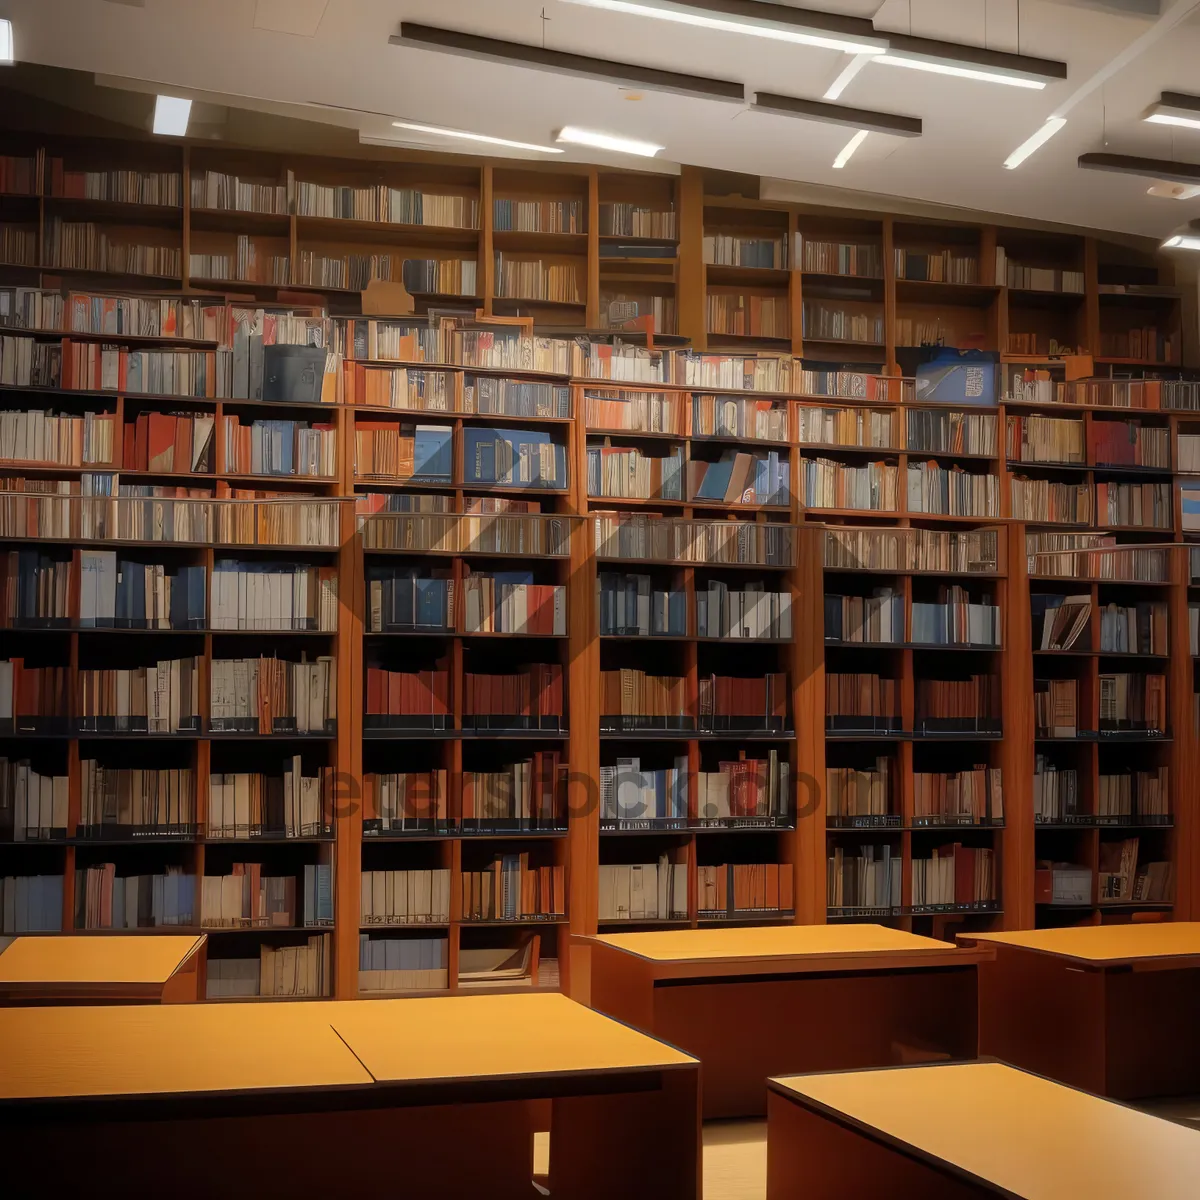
(889, 297)
(486, 268)
(592, 315)
(583, 703)
(1182, 759)
(691, 302)
(1017, 748)
(348, 774)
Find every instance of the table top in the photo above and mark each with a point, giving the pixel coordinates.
(131, 959)
(490, 1037)
(189, 1049)
(1026, 1136)
(143, 1050)
(1103, 944)
(773, 941)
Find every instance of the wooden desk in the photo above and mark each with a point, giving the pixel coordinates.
(948, 1132)
(126, 969)
(755, 1002)
(1109, 1008)
(340, 1098)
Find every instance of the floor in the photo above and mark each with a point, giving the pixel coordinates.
(735, 1152)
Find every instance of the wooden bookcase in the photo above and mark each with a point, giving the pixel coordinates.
(639, 240)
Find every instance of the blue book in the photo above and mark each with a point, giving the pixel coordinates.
(431, 603)
(715, 483)
(479, 455)
(433, 456)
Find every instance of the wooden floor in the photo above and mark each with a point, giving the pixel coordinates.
(735, 1152)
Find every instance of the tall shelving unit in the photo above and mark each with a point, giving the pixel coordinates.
(902, 298)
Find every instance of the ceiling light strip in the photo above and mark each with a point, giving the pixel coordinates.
(971, 62)
(837, 114)
(487, 139)
(849, 148)
(1175, 108)
(535, 58)
(1030, 144)
(1151, 168)
(848, 73)
(574, 136)
(780, 22)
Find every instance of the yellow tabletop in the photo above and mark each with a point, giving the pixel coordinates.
(487, 1037)
(133, 1050)
(1104, 943)
(1036, 1139)
(777, 941)
(134, 959)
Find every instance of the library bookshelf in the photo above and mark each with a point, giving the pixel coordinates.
(625, 636)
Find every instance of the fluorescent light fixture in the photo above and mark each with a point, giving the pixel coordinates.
(171, 115)
(971, 62)
(1175, 108)
(462, 134)
(846, 77)
(1039, 139)
(1181, 241)
(781, 22)
(849, 148)
(575, 136)
(557, 62)
(1148, 168)
(6, 43)
(836, 114)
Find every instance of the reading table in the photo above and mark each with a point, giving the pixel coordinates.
(754, 1002)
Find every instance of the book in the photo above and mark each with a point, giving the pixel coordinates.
(643, 891)
(136, 801)
(106, 900)
(290, 804)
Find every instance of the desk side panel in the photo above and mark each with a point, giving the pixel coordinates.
(1152, 1034)
(1038, 1012)
(744, 1031)
(623, 987)
(810, 1157)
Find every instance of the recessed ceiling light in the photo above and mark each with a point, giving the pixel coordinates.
(475, 137)
(6, 43)
(1175, 108)
(606, 141)
(1174, 191)
(1182, 241)
(971, 62)
(849, 148)
(853, 35)
(1039, 139)
(171, 115)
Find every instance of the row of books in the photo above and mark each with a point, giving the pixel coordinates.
(347, 272)
(230, 193)
(934, 431)
(638, 536)
(442, 276)
(47, 438)
(821, 322)
(848, 427)
(84, 246)
(161, 698)
(249, 263)
(304, 970)
(825, 257)
(247, 804)
(973, 796)
(1149, 343)
(731, 416)
(20, 175)
(136, 798)
(953, 491)
(531, 697)
(1128, 703)
(1092, 556)
(915, 550)
(852, 792)
(121, 185)
(731, 250)
(639, 699)
(747, 315)
(18, 246)
(530, 790)
(631, 606)
(751, 612)
(537, 216)
(627, 472)
(868, 877)
(618, 219)
(1144, 793)
(655, 891)
(956, 620)
(1035, 278)
(413, 897)
(380, 202)
(950, 705)
(936, 266)
(106, 900)
(247, 898)
(279, 448)
(272, 695)
(632, 795)
(31, 903)
(33, 807)
(388, 965)
(956, 875)
(438, 391)
(537, 279)
(511, 889)
(619, 305)
(737, 889)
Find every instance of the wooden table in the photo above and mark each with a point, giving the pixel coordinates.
(948, 1132)
(755, 1002)
(124, 969)
(437, 1097)
(1110, 1008)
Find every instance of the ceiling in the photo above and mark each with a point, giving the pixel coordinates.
(261, 54)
